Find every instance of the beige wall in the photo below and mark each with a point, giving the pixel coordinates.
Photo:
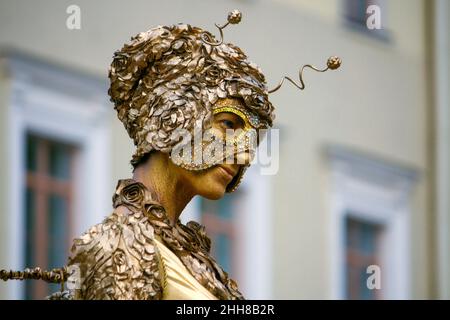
(4, 203)
(376, 103)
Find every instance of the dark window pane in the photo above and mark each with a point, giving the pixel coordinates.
(351, 234)
(57, 231)
(59, 161)
(361, 240)
(364, 292)
(356, 10)
(218, 220)
(367, 240)
(221, 208)
(208, 206)
(30, 248)
(53, 160)
(31, 153)
(222, 249)
(225, 210)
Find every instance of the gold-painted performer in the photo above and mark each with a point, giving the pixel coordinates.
(166, 81)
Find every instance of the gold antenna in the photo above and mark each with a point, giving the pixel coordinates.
(234, 17)
(53, 276)
(333, 63)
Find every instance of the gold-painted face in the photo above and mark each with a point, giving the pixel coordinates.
(238, 145)
(214, 180)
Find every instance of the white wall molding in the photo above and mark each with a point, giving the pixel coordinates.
(442, 132)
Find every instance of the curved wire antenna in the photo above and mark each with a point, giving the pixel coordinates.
(333, 63)
(208, 39)
(234, 17)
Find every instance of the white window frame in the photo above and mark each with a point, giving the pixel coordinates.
(376, 192)
(61, 104)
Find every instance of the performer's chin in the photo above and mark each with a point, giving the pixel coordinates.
(216, 181)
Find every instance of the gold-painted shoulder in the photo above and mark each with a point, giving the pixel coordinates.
(118, 259)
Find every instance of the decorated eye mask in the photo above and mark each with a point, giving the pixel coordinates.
(217, 147)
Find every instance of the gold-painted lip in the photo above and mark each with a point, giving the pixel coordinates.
(231, 172)
(225, 173)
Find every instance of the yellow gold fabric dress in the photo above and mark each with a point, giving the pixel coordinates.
(135, 253)
(178, 283)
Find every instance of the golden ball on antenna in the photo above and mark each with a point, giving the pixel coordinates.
(334, 62)
(234, 17)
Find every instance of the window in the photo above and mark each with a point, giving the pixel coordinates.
(362, 250)
(356, 17)
(369, 225)
(217, 216)
(55, 116)
(48, 196)
(355, 10)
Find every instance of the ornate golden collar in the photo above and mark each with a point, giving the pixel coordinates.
(189, 242)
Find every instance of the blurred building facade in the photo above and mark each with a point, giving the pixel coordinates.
(364, 158)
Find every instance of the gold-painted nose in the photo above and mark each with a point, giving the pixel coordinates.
(244, 157)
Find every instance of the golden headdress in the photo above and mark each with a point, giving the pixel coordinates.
(170, 77)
